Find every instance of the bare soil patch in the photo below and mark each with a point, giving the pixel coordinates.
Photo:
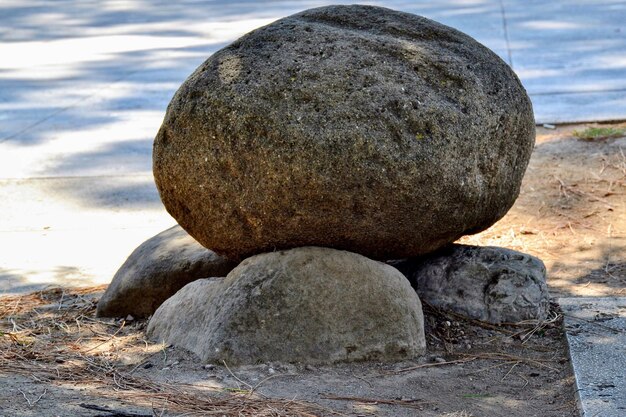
(571, 212)
(57, 359)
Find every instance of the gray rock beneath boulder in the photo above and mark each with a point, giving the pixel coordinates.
(491, 284)
(353, 127)
(307, 305)
(156, 270)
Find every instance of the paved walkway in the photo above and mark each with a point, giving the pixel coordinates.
(596, 334)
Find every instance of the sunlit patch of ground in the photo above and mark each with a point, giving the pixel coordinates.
(571, 212)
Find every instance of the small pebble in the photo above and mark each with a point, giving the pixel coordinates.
(440, 360)
(448, 324)
(208, 366)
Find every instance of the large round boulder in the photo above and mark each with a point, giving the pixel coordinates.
(352, 127)
(308, 305)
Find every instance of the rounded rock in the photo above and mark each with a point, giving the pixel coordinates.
(155, 270)
(307, 305)
(487, 283)
(353, 127)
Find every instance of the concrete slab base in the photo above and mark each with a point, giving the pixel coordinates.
(596, 334)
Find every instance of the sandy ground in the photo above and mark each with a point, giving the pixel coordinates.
(56, 359)
(571, 213)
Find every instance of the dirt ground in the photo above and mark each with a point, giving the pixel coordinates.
(57, 360)
(571, 213)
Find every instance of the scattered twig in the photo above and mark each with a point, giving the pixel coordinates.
(264, 380)
(512, 358)
(403, 403)
(524, 379)
(32, 403)
(109, 339)
(498, 365)
(538, 325)
(564, 188)
(111, 412)
(237, 378)
(362, 379)
(510, 370)
(502, 327)
(595, 323)
(429, 365)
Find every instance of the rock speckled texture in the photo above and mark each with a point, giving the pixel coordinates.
(352, 127)
(308, 305)
(156, 270)
(492, 284)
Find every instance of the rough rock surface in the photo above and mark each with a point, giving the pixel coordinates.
(156, 270)
(352, 127)
(308, 305)
(492, 284)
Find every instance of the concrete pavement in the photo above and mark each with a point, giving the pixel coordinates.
(596, 334)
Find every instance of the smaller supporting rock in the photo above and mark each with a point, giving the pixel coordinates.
(307, 305)
(156, 270)
(492, 284)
